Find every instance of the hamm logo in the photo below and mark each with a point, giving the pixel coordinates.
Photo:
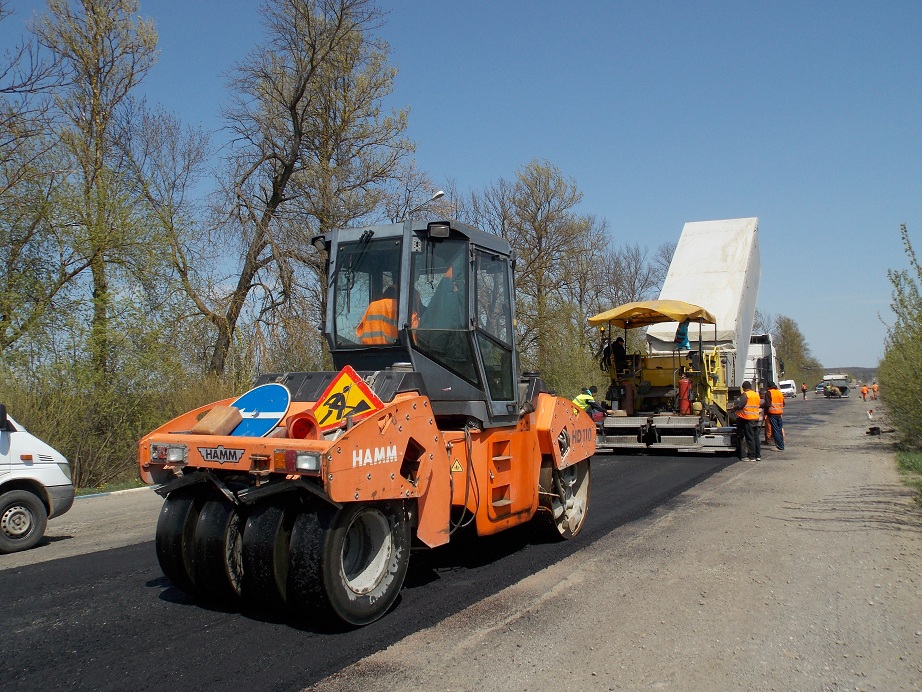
(221, 455)
(377, 455)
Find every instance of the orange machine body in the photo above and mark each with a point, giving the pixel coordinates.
(399, 453)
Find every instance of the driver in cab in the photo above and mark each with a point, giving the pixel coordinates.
(379, 323)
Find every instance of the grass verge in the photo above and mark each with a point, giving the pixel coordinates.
(112, 487)
(910, 466)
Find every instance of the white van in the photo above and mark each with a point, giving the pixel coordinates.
(788, 387)
(35, 485)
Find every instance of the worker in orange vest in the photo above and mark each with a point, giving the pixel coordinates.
(874, 389)
(379, 323)
(864, 392)
(774, 410)
(747, 407)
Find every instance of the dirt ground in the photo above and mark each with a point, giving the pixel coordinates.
(799, 572)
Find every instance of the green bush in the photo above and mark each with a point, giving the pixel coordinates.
(98, 429)
(902, 362)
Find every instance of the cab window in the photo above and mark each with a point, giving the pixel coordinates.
(494, 323)
(439, 304)
(367, 274)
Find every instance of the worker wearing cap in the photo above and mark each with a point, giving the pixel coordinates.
(586, 401)
(774, 410)
(747, 407)
(614, 355)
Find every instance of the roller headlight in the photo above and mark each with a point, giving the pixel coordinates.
(169, 454)
(308, 461)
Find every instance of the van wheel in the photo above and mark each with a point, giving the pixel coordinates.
(23, 519)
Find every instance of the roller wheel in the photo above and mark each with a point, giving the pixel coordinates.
(174, 538)
(567, 499)
(265, 553)
(23, 519)
(349, 563)
(218, 551)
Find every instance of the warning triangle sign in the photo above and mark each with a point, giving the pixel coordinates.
(347, 395)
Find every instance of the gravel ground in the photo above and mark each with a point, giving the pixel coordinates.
(799, 572)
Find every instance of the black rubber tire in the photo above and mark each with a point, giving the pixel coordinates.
(266, 537)
(218, 551)
(349, 563)
(174, 537)
(23, 519)
(564, 521)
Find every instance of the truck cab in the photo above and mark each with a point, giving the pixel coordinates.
(451, 321)
(35, 485)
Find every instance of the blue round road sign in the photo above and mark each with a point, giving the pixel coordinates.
(262, 408)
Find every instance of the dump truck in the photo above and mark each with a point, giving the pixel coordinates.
(676, 395)
(835, 385)
(715, 265)
(309, 491)
(762, 362)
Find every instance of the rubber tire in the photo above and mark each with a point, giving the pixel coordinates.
(266, 537)
(218, 552)
(555, 527)
(23, 519)
(174, 537)
(318, 585)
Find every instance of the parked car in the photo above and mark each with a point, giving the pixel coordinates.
(820, 389)
(788, 388)
(35, 485)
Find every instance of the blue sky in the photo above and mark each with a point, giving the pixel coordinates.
(804, 114)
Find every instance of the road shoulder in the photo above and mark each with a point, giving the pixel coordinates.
(801, 571)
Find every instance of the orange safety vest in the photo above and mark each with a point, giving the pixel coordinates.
(751, 410)
(379, 323)
(777, 404)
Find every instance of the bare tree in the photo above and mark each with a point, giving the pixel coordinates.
(409, 191)
(660, 262)
(763, 323)
(313, 151)
(627, 276)
(585, 291)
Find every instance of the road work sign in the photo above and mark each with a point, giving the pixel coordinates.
(347, 395)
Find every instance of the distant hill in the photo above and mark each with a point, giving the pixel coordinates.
(860, 374)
